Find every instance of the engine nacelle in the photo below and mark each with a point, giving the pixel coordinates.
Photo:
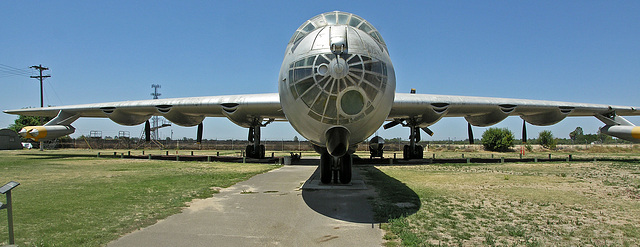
(47, 132)
(376, 146)
(376, 143)
(629, 133)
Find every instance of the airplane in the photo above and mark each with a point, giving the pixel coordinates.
(336, 88)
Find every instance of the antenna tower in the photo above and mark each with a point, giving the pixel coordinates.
(155, 119)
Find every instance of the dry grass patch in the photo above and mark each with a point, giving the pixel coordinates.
(532, 204)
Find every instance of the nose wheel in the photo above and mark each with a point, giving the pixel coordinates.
(337, 169)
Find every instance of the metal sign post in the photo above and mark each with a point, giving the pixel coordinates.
(6, 189)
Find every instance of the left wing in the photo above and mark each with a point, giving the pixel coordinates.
(423, 110)
(243, 110)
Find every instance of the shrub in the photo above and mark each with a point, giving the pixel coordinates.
(546, 140)
(497, 139)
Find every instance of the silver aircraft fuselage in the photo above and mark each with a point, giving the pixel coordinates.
(336, 73)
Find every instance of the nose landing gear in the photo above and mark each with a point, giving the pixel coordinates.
(336, 168)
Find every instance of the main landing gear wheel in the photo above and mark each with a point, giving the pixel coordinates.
(255, 149)
(417, 153)
(337, 168)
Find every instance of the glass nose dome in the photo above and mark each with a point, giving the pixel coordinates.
(335, 18)
(335, 94)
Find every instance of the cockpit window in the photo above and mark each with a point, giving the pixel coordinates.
(355, 21)
(343, 18)
(365, 27)
(309, 27)
(332, 18)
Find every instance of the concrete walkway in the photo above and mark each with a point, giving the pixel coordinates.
(271, 210)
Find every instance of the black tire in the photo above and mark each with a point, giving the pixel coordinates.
(345, 169)
(249, 151)
(419, 152)
(406, 154)
(325, 168)
(262, 152)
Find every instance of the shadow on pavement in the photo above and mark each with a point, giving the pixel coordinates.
(373, 197)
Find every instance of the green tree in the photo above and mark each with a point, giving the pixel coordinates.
(497, 139)
(22, 121)
(577, 136)
(546, 140)
(604, 138)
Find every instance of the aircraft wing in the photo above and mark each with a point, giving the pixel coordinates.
(426, 109)
(240, 109)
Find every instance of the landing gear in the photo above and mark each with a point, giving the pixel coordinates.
(338, 168)
(326, 168)
(256, 150)
(252, 152)
(413, 151)
(345, 168)
(417, 153)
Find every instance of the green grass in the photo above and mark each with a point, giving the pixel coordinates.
(530, 204)
(70, 200)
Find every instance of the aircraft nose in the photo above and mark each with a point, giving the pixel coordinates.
(339, 68)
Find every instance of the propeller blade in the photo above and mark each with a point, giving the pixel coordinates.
(199, 138)
(524, 132)
(428, 131)
(391, 124)
(470, 131)
(147, 131)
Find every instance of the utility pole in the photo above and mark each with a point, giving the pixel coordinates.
(41, 78)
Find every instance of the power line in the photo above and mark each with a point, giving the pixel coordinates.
(7, 67)
(54, 92)
(12, 71)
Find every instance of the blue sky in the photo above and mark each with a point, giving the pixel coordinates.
(102, 51)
